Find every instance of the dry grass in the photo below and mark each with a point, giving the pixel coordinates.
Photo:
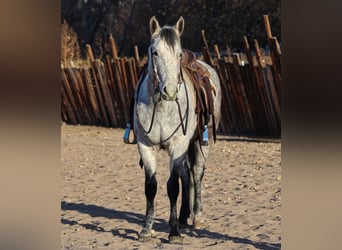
(70, 49)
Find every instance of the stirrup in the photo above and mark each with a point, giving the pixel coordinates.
(127, 133)
(205, 136)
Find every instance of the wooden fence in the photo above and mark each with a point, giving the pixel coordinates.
(100, 93)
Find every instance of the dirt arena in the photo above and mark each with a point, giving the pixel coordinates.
(103, 202)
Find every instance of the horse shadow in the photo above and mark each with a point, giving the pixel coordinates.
(160, 225)
(98, 211)
(204, 233)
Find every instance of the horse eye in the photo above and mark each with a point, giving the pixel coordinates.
(180, 54)
(155, 53)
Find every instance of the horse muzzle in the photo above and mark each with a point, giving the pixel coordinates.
(169, 93)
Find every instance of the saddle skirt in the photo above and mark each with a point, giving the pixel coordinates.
(204, 89)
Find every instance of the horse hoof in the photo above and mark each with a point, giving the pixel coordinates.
(144, 237)
(175, 239)
(198, 224)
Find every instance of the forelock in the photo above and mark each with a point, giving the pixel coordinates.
(168, 34)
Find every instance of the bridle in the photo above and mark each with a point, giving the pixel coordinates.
(157, 91)
(156, 78)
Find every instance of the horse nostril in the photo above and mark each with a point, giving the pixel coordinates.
(170, 93)
(165, 91)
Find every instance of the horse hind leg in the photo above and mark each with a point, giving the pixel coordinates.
(197, 170)
(185, 207)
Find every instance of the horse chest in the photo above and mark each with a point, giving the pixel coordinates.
(164, 125)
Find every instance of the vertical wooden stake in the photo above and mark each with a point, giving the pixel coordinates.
(267, 26)
(217, 52)
(229, 54)
(205, 40)
(136, 54)
(113, 45)
(90, 53)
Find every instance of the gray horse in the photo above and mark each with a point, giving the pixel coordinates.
(165, 118)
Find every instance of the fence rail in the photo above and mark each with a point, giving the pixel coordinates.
(100, 94)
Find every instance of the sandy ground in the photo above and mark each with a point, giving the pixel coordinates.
(103, 202)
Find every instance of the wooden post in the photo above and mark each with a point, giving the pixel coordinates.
(113, 45)
(131, 81)
(92, 96)
(113, 90)
(125, 79)
(227, 115)
(136, 56)
(252, 86)
(99, 95)
(275, 54)
(105, 92)
(236, 98)
(109, 74)
(267, 26)
(217, 51)
(276, 64)
(64, 108)
(207, 57)
(68, 100)
(70, 95)
(261, 87)
(230, 95)
(248, 119)
(77, 96)
(267, 99)
(204, 39)
(84, 101)
(90, 53)
(135, 73)
(247, 51)
(224, 106)
(273, 92)
(120, 92)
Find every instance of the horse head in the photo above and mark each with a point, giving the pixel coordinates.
(165, 54)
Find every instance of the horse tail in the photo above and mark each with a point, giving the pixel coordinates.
(190, 163)
(191, 193)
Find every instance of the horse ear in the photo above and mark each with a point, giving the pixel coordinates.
(180, 26)
(154, 25)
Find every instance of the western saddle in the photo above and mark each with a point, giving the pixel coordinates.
(199, 76)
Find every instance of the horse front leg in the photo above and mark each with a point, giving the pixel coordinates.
(150, 193)
(172, 192)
